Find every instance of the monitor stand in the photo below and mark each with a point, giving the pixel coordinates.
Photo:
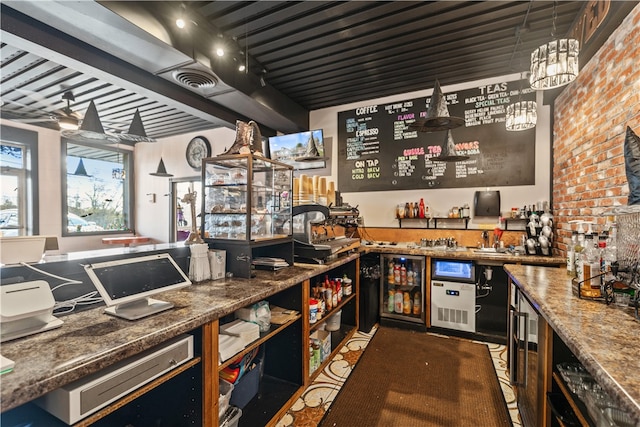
(138, 309)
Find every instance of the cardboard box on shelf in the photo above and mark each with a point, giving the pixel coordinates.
(324, 339)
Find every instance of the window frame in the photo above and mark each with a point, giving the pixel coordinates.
(129, 190)
(30, 201)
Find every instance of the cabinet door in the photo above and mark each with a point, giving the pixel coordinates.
(527, 363)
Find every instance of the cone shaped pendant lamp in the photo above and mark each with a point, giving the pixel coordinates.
(438, 117)
(161, 171)
(91, 129)
(80, 170)
(449, 153)
(136, 131)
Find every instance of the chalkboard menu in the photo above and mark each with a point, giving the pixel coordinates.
(377, 151)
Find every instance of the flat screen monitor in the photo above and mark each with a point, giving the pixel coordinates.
(292, 147)
(457, 271)
(126, 285)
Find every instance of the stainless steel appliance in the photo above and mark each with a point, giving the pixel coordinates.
(523, 356)
(402, 288)
(453, 294)
(319, 232)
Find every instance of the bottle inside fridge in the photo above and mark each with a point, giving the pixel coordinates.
(402, 287)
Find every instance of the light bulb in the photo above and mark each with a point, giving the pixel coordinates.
(242, 68)
(180, 23)
(220, 51)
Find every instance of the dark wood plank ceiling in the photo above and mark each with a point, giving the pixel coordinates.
(317, 53)
(326, 53)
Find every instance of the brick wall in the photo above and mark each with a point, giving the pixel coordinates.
(590, 119)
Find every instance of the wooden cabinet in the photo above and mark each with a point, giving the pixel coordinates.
(347, 310)
(286, 363)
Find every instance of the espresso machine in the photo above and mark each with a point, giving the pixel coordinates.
(321, 233)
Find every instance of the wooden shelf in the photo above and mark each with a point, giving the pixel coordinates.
(334, 310)
(433, 222)
(576, 404)
(264, 337)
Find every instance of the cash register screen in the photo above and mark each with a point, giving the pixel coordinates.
(127, 284)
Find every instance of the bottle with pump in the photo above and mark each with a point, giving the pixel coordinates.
(590, 267)
(571, 254)
(610, 253)
(578, 250)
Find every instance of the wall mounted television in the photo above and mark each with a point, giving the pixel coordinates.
(288, 148)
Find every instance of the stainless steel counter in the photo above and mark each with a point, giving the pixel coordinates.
(605, 339)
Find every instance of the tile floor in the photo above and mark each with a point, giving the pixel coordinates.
(309, 409)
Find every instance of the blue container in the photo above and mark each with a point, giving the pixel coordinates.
(247, 387)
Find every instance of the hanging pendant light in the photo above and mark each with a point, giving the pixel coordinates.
(438, 117)
(161, 171)
(80, 170)
(555, 63)
(449, 152)
(136, 131)
(91, 129)
(521, 115)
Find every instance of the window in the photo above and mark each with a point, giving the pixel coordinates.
(180, 211)
(19, 175)
(98, 189)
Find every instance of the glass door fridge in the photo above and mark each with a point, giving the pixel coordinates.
(402, 287)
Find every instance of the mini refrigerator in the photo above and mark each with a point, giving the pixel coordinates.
(402, 288)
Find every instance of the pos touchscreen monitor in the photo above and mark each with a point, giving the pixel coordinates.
(126, 285)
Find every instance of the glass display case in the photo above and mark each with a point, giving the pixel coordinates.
(247, 205)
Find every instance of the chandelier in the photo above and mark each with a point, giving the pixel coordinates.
(521, 115)
(555, 63)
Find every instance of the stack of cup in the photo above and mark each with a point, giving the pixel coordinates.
(199, 267)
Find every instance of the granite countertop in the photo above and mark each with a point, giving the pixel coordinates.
(462, 253)
(91, 340)
(604, 338)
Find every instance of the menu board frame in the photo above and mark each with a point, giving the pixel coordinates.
(377, 151)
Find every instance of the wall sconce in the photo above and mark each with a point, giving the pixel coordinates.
(555, 63)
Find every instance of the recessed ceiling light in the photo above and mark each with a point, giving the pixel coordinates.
(220, 51)
(242, 68)
(180, 23)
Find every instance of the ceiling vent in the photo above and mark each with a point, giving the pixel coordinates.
(194, 79)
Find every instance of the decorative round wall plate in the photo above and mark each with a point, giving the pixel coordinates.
(198, 148)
